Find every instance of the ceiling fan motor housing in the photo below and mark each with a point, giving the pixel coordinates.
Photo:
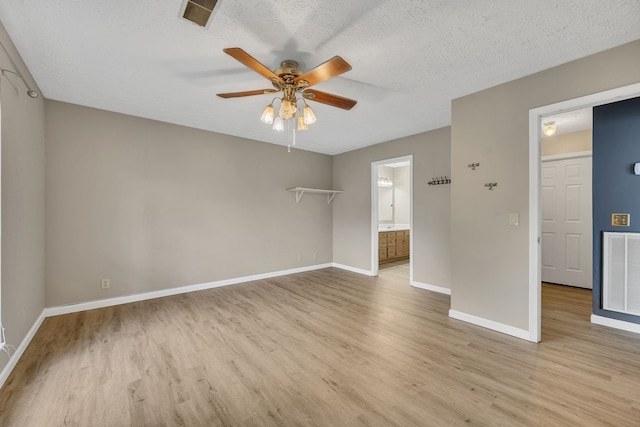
(288, 67)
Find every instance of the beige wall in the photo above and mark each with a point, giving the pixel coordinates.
(22, 202)
(352, 211)
(401, 195)
(566, 143)
(385, 197)
(152, 205)
(490, 267)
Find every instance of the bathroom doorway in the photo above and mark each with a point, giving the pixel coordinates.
(391, 214)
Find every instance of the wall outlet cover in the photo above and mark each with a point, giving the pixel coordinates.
(620, 219)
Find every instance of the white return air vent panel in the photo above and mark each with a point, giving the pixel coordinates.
(621, 272)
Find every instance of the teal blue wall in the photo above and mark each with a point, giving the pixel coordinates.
(616, 147)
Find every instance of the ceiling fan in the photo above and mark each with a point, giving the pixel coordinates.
(291, 81)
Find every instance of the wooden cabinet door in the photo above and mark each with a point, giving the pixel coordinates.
(407, 243)
(382, 246)
(400, 245)
(391, 244)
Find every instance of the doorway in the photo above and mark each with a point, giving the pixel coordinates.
(536, 118)
(392, 213)
(566, 200)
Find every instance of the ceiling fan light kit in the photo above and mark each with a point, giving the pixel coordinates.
(293, 84)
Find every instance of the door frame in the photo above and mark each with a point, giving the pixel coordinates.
(536, 116)
(374, 211)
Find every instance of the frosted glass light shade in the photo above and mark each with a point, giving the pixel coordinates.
(278, 124)
(309, 116)
(301, 124)
(267, 114)
(287, 109)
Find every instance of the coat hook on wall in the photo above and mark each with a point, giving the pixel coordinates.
(490, 185)
(473, 166)
(438, 181)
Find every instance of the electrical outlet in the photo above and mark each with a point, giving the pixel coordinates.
(620, 219)
(315, 255)
(299, 257)
(106, 284)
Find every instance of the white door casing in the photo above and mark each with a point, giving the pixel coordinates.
(536, 116)
(566, 238)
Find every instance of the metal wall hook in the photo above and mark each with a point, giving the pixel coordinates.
(441, 180)
(490, 185)
(473, 166)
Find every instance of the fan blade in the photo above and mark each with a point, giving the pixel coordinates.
(329, 99)
(246, 93)
(251, 62)
(328, 69)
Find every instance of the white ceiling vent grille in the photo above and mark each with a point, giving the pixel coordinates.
(198, 11)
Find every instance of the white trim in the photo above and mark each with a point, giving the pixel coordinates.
(90, 305)
(567, 156)
(411, 239)
(431, 288)
(374, 211)
(535, 121)
(490, 324)
(535, 270)
(375, 261)
(15, 357)
(354, 269)
(615, 323)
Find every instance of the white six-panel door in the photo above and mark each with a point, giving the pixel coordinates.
(566, 240)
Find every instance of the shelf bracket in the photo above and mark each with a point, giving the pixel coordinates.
(301, 190)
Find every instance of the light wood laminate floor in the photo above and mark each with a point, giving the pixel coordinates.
(325, 348)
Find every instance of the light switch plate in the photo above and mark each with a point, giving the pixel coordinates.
(514, 219)
(620, 219)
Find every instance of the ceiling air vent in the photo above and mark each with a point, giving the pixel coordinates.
(198, 11)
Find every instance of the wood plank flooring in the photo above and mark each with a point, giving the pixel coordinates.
(323, 348)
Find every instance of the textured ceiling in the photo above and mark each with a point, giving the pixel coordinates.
(410, 58)
(572, 121)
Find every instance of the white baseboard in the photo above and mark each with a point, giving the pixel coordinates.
(431, 288)
(90, 305)
(352, 269)
(490, 324)
(13, 360)
(615, 323)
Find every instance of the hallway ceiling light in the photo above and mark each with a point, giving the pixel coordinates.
(549, 128)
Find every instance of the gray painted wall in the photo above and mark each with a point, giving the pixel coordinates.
(22, 202)
(490, 267)
(431, 209)
(152, 205)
